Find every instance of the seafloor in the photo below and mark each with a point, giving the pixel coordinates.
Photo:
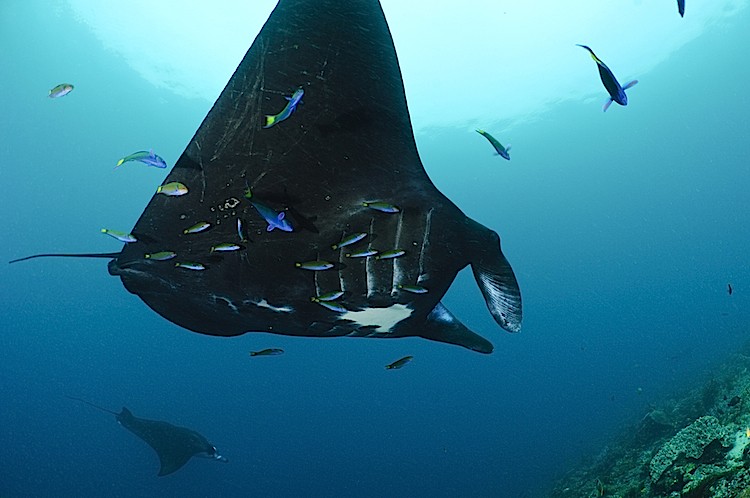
(693, 445)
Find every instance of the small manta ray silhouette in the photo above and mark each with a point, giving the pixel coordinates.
(173, 445)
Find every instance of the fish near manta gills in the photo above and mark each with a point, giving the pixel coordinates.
(353, 148)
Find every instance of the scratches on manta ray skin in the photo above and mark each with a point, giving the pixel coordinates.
(203, 173)
(371, 283)
(228, 302)
(425, 243)
(397, 263)
(265, 304)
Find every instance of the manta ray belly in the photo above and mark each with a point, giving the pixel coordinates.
(382, 318)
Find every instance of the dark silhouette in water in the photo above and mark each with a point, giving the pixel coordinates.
(173, 445)
(349, 147)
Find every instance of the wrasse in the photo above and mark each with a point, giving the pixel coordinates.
(291, 106)
(226, 247)
(361, 254)
(60, 90)
(198, 227)
(274, 218)
(347, 241)
(616, 92)
(399, 363)
(121, 236)
(241, 231)
(172, 189)
(144, 156)
(314, 265)
(394, 253)
(160, 256)
(267, 352)
(189, 265)
(329, 296)
(414, 289)
(333, 306)
(502, 151)
(383, 207)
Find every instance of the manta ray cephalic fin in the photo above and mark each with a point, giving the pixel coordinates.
(497, 281)
(444, 327)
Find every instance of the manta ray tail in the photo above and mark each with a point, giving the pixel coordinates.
(445, 327)
(92, 404)
(497, 282)
(88, 255)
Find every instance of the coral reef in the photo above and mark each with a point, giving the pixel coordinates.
(695, 446)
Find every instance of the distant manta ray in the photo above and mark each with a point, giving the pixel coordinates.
(173, 445)
(341, 145)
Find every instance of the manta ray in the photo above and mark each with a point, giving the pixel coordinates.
(173, 445)
(301, 206)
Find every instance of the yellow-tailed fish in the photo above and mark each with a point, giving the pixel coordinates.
(333, 306)
(147, 157)
(121, 236)
(501, 151)
(226, 247)
(189, 265)
(314, 265)
(613, 87)
(399, 363)
(291, 106)
(383, 207)
(198, 227)
(160, 256)
(361, 254)
(172, 189)
(60, 90)
(329, 296)
(393, 253)
(351, 239)
(267, 352)
(414, 289)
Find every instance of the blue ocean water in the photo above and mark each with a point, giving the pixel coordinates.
(624, 230)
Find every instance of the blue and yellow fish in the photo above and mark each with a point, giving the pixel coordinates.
(60, 90)
(146, 157)
(616, 92)
(275, 219)
(291, 106)
(501, 151)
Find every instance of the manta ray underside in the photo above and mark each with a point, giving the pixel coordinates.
(173, 445)
(343, 163)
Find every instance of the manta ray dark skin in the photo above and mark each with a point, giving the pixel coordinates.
(348, 145)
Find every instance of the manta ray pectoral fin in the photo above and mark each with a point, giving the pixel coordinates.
(442, 326)
(498, 284)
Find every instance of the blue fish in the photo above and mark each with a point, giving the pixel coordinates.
(274, 218)
(146, 157)
(291, 106)
(681, 7)
(616, 92)
(502, 151)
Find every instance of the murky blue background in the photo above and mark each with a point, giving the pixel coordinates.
(624, 229)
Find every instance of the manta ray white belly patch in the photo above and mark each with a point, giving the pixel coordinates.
(382, 318)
